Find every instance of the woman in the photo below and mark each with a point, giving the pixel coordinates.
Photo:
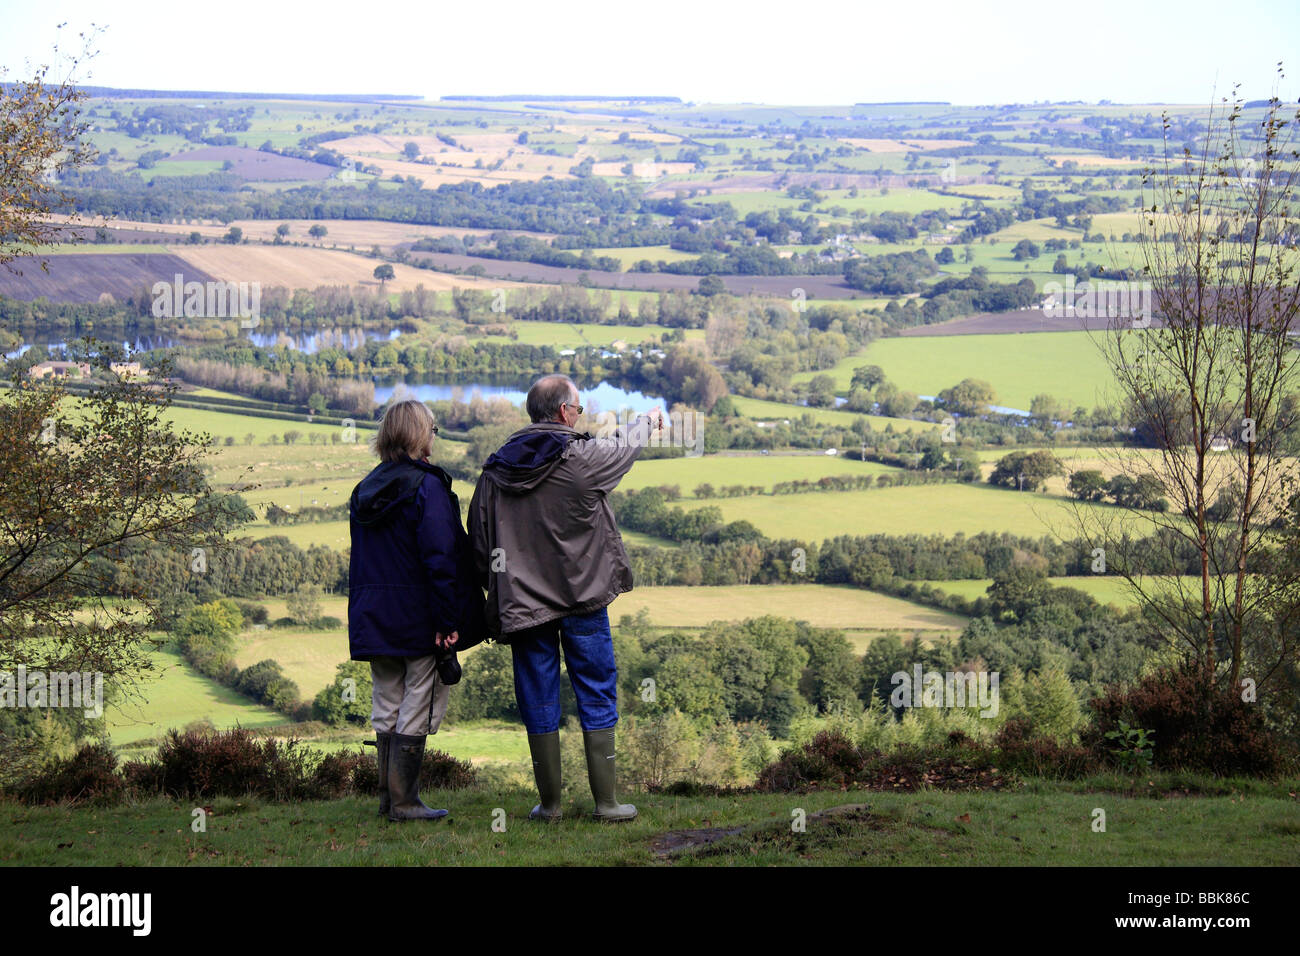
(412, 599)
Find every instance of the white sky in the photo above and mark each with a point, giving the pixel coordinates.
(831, 52)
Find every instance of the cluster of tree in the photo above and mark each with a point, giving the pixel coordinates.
(765, 343)
(894, 273)
(276, 515)
(875, 561)
(1026, 470)
(523, 249)
(1046, 204)
(285, 382)
(238, 569)
(570, 207)
(681, 375)
(205, 636)
(970, 397)
(1033, 626)
(646, 511)
(896, 564)
(1141, 491)
(755, 670)
(565, 303)
(347, 698)
(40, 317)
(179, 119)
(984, 222)
(773, 672)
(953, 297)
(280, 310)
(741, 259)
(706, 490)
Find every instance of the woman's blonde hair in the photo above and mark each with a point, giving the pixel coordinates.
(406, 429)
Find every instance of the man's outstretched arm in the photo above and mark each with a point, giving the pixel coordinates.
(607, 460)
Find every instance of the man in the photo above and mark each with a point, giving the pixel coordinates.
(548, 551)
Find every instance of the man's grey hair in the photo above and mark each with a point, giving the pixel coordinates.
(546, 396)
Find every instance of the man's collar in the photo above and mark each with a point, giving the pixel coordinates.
(556, 427)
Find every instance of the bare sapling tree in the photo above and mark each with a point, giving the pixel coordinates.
(1207, 372)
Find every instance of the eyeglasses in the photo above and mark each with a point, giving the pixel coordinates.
(434, 428)
(572, 405)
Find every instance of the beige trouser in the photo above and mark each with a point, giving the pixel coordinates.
(408, 697)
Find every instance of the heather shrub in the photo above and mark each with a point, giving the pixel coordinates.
(441, 771)
(336, 775)
(232, 763)
(143, 778)
(201, 764)
(88, 776)
(1196, 724)
(1023, 750)
(829, 759)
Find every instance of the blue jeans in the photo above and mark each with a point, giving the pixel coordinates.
(589, 657)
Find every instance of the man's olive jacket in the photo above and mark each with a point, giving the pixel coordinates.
(544, 538)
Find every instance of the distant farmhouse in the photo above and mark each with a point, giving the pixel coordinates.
(128, 370)
(59, 370)
(44, 370)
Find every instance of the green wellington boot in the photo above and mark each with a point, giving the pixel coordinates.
(406, 752)
(545, 749)
(599, 745)
(381, 752)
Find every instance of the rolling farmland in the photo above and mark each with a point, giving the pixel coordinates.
(724, 220)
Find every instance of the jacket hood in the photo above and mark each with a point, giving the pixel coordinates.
(529, 455)
(390, 485)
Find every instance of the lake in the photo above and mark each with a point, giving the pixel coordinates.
(596, 398)
(306, 342)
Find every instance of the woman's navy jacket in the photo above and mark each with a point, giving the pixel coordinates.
(411, 574)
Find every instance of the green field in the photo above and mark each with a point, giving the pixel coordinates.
(227, 424)
(910, 201)
(1106, 589)
(775, 411)
(324, 493)
(299, 463)
(635, 539)
(308, 656)
(480, 742)
(751, 469)
(1105, 223)
(1066, 365)
(861, 614)
(173, 696)
(945, 509)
